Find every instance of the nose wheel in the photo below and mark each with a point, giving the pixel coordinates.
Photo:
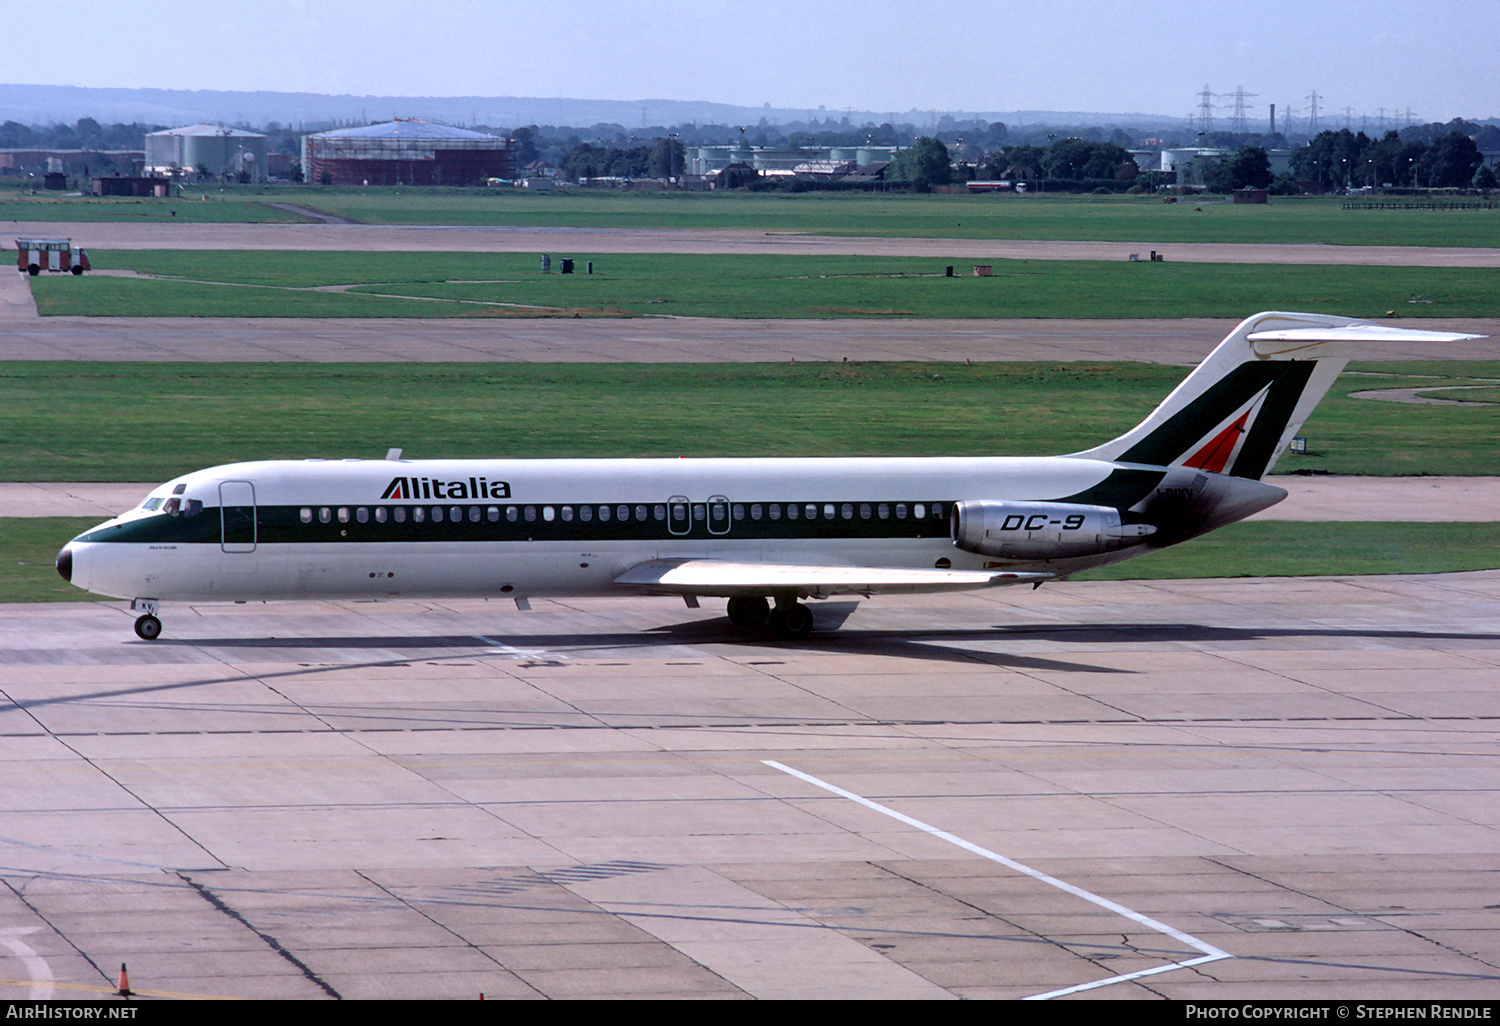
(148, 624)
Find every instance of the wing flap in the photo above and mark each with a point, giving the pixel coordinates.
(726, 579)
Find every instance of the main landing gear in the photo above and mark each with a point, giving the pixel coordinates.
(789, 618)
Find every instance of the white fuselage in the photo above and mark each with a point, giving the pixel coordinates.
(524, 528)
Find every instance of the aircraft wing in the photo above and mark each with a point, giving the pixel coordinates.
(725, 578)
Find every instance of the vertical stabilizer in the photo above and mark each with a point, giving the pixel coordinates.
(1238, 410)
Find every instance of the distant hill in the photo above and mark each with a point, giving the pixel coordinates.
(45, 105)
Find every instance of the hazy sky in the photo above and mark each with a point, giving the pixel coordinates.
(1439, 59)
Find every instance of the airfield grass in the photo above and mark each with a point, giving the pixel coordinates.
(72, 212)
(28, 546)
(483, 285)
(101, 421)
(1145, 222)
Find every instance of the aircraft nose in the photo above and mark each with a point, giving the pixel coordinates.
(65, 563)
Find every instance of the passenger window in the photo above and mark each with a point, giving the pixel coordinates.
(494, 514)
(306, 514)
(585, 513)
(883, 511)
(362, 515)
(324, 515)
(660, 512)
(512, 513)
(900, 511)
(530, 514)
(603, 514)
(847, 511)
(791, 511)
(739, 512)
(755, 511)
(549, 514)
(827, 511)
(919, 511)
(567, 513)
(343, 514)
(380, 514)
(456, 514)
(400, 514)
(418, 514)
(937, 511)
(437, 514)
(775, 511)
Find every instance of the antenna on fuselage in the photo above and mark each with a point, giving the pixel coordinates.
(393, 454)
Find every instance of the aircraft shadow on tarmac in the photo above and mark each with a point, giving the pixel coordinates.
(959, 644)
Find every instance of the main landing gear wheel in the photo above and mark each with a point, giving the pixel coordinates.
(749, 610)
(793, 620)
(147, 628)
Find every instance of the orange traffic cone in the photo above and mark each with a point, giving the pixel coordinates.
(124, 983)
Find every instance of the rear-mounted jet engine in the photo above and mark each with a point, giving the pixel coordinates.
(1041, 530)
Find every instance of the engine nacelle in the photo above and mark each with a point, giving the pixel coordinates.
(1041, 530)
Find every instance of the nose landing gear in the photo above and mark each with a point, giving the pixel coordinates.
(147, 625)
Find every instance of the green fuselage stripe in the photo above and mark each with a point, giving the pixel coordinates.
(697, 521)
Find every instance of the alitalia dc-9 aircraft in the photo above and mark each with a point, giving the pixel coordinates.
(765, 534)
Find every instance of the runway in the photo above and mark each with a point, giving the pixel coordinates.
(1288, 783)
(521, 239)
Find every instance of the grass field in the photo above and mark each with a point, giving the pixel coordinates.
(94, 421)
(235, 205)
(1142, 220)
(333, 284)
(1269, 549)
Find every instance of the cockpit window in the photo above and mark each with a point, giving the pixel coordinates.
(173, 506)
(192, 507)
(153, 503)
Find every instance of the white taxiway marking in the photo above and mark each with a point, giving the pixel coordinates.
(517, 653)
(37, 969)
(1210, 953)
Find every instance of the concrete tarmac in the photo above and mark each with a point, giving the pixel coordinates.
(1277, 788)
(656, 340)
(593, 241)
(1218, 789)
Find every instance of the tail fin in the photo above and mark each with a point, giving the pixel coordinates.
(1237, 412)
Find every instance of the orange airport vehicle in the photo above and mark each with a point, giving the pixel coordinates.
(33, 256)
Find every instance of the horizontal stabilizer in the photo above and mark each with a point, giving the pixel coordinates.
(724, 578)
(1294, 340)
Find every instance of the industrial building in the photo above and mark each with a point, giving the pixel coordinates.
(785, 160)
(215, 150)
(404, 153)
